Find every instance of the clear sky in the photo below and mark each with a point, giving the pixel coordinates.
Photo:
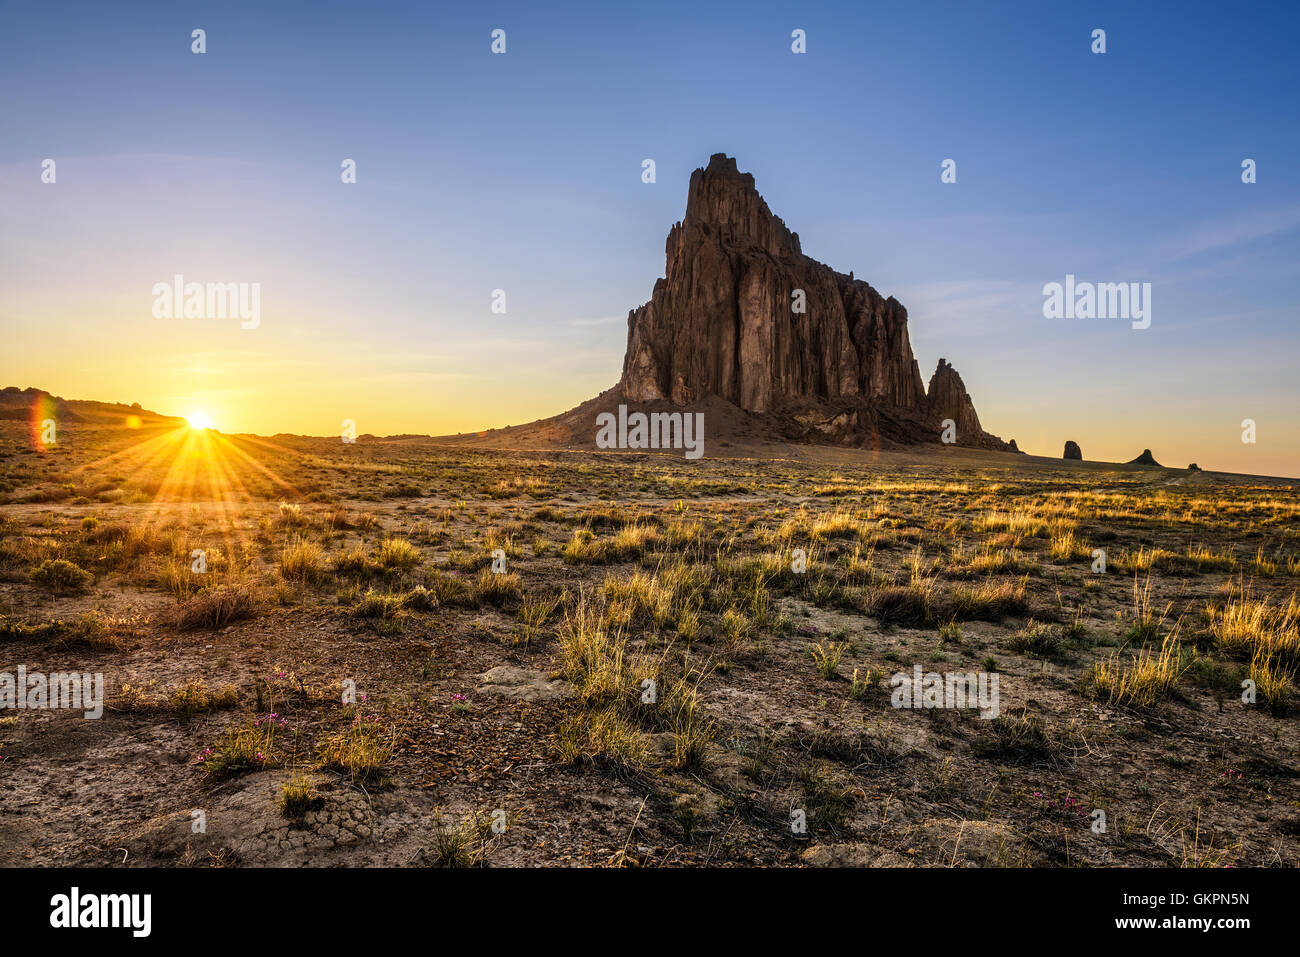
(522, 172)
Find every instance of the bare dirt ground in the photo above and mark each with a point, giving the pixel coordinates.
(580, 658)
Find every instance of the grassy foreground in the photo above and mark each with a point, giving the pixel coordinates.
(399, 653)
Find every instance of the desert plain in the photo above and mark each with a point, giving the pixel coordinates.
(420, 652)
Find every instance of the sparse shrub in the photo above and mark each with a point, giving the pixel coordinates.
(1015, 737)
(692, 732)
(1037, 639)
(420, 598)
(1066, 547)
(581, 548)
(452, 844)
(627, 544)
(839, 524)
(735, 628)
(291, 516)
(1145, 625)
(104, 533)
(688, 817)
(377, 604)
(97, 631)
(1244, 626)
(1262, 565)
(593, 659)
(687, 624)
(903, 604)
(1205, 559)
(826, 800)
(639, 598)
(1148, 559)
(1019, 522)
(179, 581)
(216, 607)
(60, 575)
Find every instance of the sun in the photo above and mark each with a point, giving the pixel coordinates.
(199, 420)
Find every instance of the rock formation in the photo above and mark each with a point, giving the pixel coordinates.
(946, 398)
(1072, 450)
(1146, 458)
(741, 313)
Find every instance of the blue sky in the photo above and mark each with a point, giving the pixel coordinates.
(522, 172)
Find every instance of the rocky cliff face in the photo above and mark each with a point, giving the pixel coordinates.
(743, 314)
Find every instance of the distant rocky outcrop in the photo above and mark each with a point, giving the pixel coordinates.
(16, 403)
(741, 313)
(1012, 446)
(1193, 467)
(37, 404)
(1072, 451)
(1146, 458)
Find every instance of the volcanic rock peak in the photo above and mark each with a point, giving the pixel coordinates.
(722, 196)
(743, 314)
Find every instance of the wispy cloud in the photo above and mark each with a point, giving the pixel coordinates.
(1228, 232)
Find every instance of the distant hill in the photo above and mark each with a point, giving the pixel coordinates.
(16, 403)
(1146, 458)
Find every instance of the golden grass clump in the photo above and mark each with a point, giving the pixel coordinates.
(593, 659)
(627, 544)
(1021, 523)
(303, 562)
(397, 554)
(602, 735)
(1244, 626)
(826, 656)
(216, 607)
(360, 751)
(1148, 677)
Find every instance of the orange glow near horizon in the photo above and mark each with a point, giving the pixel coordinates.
(313, 400)
(198, 465)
